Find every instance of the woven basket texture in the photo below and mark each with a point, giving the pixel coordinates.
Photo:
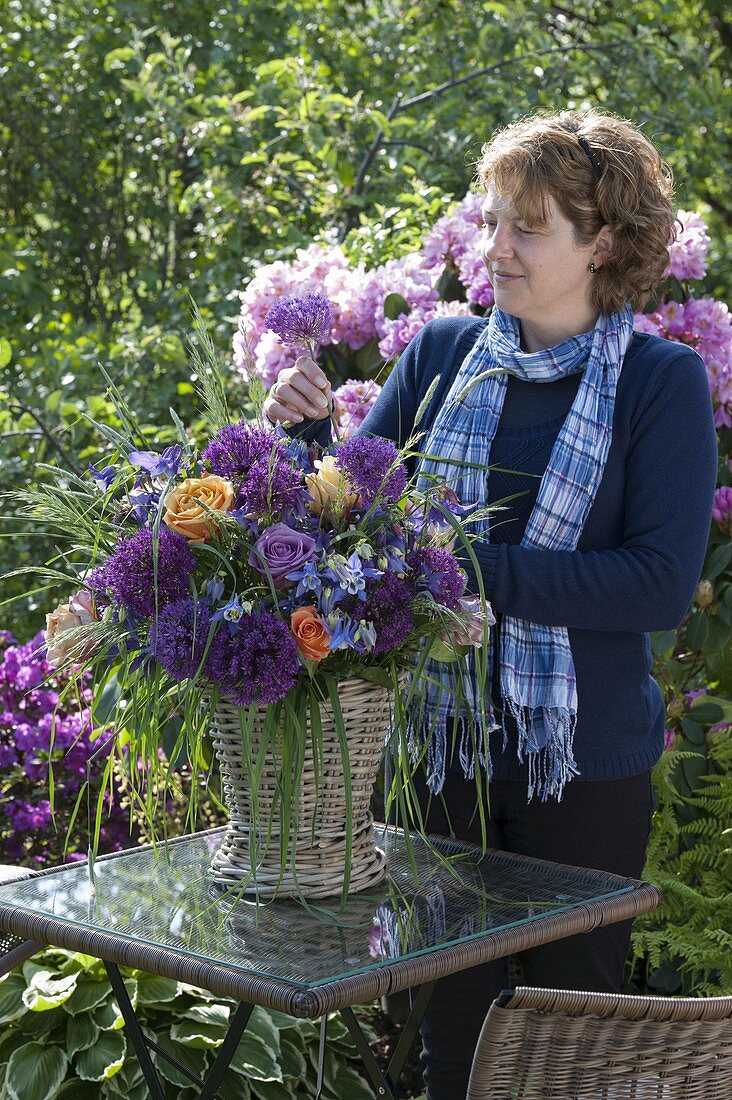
(317, 849)
(549, 1044)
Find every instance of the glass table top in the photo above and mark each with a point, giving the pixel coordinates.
(169, 900)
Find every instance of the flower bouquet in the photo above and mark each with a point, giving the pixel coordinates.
(276, 596)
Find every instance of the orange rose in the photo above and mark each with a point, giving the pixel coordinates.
(312, 638)
(188, 508)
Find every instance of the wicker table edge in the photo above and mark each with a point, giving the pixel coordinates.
(298, 1001)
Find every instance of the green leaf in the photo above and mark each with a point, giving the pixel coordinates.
(35, 1072)
(707, 713)
(156, 990)
(663, 643)
(292, 1062)
(104, 1059)
(725, 705)
(260, 1023)
(213, 1015)
(694, 733)
(191, 1034)
(6, 352)
(11, 998)
(81, 1032)
(109, 1016)
(48, 990)
(718, 561)
(87, 995)
(274, 1090)
(697, 631)
(253, 1058)
(395, 305)
(117, 59)
(193, 1058)
(351, 1084)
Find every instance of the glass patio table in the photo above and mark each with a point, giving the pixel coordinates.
(443, 907)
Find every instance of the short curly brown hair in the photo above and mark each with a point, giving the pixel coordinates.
(621, 182)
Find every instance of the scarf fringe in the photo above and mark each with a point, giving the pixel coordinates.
(550, 756)
(472, 741)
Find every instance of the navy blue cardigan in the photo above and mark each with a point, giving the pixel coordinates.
(642, 548)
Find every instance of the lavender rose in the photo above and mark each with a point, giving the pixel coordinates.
(283, 550)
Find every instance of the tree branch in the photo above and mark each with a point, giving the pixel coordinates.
(398, 106)
(48, 434)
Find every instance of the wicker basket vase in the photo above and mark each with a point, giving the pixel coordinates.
(317, 852)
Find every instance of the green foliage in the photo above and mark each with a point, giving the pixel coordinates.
(60, 1026)
(153, 151)
(684, 946)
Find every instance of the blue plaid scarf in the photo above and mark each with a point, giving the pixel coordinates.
(537, 675)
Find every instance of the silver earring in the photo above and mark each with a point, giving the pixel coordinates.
(592, 269)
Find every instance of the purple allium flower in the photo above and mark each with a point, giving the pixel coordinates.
(257, 664)
(301, 320)
(178, 637)
(722, 508)
(272, 487)
(237, 448)
(388, 606)
(437, 570)
(130, 571)
(373, 468)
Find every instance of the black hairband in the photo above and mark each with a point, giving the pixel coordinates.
(596, 166)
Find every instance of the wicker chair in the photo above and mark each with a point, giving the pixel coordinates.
(13, 950)
(549, 1044)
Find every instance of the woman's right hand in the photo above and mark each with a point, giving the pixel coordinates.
(300, 393)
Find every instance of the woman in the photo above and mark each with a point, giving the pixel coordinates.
(613, 434)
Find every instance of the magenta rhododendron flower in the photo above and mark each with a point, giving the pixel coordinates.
(722, 509)
(688, 252)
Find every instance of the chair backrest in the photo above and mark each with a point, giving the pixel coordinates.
(549, 1044)
(13, 949)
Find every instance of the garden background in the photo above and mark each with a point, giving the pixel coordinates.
(154, 152)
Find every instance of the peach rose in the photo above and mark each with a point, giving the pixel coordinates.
(62, 642)
(312, 638)
(188, 508)
(329, 487)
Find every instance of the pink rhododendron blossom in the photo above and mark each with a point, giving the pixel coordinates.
(474, 275)
(404, 328)
(669, 739)
(271, 356)
(353, 401)
(644, 322)
(453, 233)
(722, 509)
(408, 277)
(688, 253)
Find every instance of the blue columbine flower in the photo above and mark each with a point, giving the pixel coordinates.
(165, 465)
(352, 574)
(365, 636)
(143, 504)
(342, 631)
(308, 579)
(103, 477)
(232, 612)
(214, 590)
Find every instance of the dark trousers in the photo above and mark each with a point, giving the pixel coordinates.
(602, 825)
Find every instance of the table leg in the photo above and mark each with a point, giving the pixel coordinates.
(386, 1085)
(135, 1032)
(226, 1052)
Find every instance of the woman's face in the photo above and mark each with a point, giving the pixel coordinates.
(539, 273)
